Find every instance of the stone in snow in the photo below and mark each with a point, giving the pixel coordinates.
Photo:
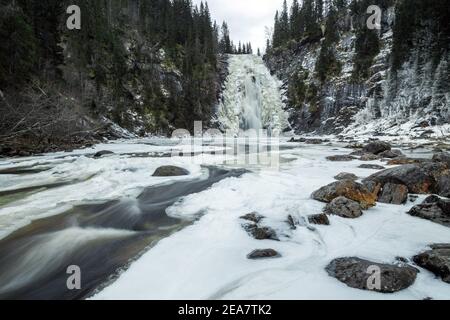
(394, 194)
(436, 260)
(344, 208)
(170, 171)
(263, 254)
(355, 273)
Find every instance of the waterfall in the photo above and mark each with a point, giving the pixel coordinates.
(252, 98)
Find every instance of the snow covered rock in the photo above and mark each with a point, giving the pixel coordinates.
(263, 254)
(261, 233)
(346, 188)
(434, 209)
(253, 217)
(170, 171)
(394, 194)
(356, 273)
(344, 208)
(437, 260)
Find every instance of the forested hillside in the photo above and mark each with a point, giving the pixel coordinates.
(340, 75)
(147, 66)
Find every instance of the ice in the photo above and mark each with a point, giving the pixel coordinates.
(208, 259)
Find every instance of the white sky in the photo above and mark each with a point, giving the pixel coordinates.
(246, 19)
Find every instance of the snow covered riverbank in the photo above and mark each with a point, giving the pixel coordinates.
(207, 259)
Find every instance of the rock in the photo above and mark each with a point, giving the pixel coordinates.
(261, 233)
(263, 254)
(253, 217)
(170, 171)
(355, 273)
(371, 166)
(355, 145)
(319, 219)
(292, 222)
(346, 188)
(344, 207)
(346, 176)
(316, 141)
(437, 260)
(403, 161)
(369, 157)
(377, 147)
(391, 154)
(434, 209)
(373, 187)
(103, 153)
(394, 194)
(413, 197)
(341, 158)
(358, 153)
(297, 140)
(417, 180)
(443, 157)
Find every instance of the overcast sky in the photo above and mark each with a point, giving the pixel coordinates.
(246, 19)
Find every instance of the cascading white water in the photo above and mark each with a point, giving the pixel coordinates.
(252, 97)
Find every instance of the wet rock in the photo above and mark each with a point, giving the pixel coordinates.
(391, 154)
(346, 188)
(371, 166)
(344, 207)
(436, 260)
(292, 222)
(434, 209)
(394, 194)
(341, 158)
(261, 233)
(319, 219)
(103, 153)
(377, 147)
(369, 157)
(346, 176)
(358, 153)
(263, 254)
(297, 140)
(355, 273)
(253, 217)
(170, 171)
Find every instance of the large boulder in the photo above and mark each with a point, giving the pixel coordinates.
(170, 171)
(434, 209)
(263, 254)
(419, 179)
(442, 157)
(349, 189)
(377, 147)
(344, 208)
(356, 273)
(436, 260)
(394, 194)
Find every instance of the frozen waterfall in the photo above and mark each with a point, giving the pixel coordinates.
(252, 98)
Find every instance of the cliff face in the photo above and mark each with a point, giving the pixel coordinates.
(411, 97)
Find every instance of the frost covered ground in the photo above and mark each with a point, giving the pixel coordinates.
(207, 259)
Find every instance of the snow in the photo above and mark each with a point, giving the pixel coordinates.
(208, 259)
